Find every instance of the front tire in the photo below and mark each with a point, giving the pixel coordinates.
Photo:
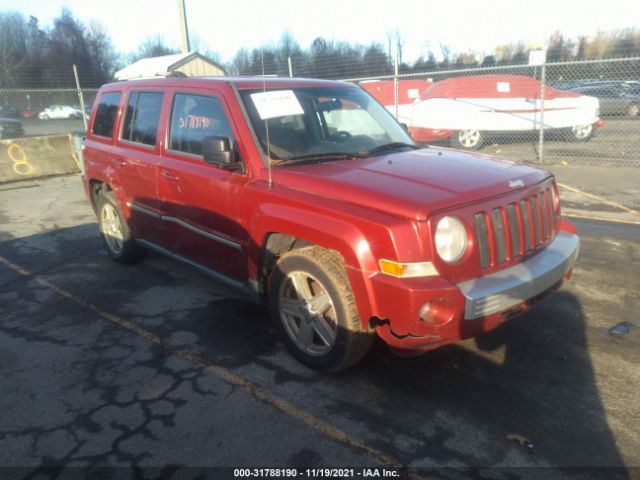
(118, 239)
(581, 133)
(469, 139)
(314, 310)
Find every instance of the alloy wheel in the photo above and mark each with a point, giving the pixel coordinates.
(308, 313)
(469, 138)
(111, 228)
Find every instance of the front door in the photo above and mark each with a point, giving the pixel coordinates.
(202, 205)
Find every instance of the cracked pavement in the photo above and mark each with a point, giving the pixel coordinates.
(153, 367)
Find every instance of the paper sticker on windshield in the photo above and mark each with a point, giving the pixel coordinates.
(504, 87)
(278, 103)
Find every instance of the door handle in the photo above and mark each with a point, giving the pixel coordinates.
(120, 163)
(169, 176)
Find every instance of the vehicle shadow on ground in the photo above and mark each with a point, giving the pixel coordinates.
(528, 386)
(467, 405)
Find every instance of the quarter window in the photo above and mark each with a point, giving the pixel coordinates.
(106, 114)
(194, 117)
(142, 117)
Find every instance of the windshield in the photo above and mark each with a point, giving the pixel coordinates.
(321, 123)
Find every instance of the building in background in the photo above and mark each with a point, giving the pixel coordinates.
(190, 64)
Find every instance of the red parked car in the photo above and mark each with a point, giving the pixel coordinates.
(309, 196)
(30, 112)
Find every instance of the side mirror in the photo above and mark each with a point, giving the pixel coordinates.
(405, 127)
(217, 151)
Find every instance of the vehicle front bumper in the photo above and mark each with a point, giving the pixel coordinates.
(508, 288)
(478, 305)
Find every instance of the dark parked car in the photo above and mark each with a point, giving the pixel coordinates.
(10, 128)
(8, 111)
(614, 99)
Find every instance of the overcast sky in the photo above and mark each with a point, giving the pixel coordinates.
(227, 26)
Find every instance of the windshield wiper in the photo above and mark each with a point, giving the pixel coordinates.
(390, 146)
(318, 157)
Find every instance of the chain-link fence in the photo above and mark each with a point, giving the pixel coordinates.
(585, 113)
(37, 112)
(581, 112)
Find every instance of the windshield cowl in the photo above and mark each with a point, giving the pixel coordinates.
(334, 156)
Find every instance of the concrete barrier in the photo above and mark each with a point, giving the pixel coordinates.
(32, 157)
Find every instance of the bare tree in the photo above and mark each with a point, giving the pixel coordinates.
(241, 63)
(447, 55)
(104, 59)
(289, 48)
(153, 47)
(198, 44)
(13, 46)
(395, 43)
(89, 47)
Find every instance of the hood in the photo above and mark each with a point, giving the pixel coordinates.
(411, 184)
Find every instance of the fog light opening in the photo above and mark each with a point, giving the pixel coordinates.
(437, 312)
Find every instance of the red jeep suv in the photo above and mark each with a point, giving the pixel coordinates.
(308, 195)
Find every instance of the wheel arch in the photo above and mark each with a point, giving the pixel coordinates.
(106, 180)
(281, 229)
(96, 187)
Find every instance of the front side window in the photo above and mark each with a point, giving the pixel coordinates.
(312, 123)
(194, 117)
(142, 117)
(106, 114)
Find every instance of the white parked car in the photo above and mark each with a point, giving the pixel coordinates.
(60, 111)
(470, 111)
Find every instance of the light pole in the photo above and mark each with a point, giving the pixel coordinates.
(184, 30)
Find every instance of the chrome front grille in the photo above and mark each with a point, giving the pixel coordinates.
(511, 231)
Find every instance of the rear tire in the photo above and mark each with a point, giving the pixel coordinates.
(118, 239)
(314, 310)
(468, 139)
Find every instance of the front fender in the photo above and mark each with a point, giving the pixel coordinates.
(325, 231)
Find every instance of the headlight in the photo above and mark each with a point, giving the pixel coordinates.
(451, 239)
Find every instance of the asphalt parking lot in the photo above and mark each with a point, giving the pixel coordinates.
(156, 367)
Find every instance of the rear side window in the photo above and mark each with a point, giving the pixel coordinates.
(106, 114)
(194, 117)
(142, 117)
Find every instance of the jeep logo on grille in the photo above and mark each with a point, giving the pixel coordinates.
(516, 183)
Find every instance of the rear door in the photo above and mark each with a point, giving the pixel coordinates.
(202, 204)
(99, 142)
(135, 162)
